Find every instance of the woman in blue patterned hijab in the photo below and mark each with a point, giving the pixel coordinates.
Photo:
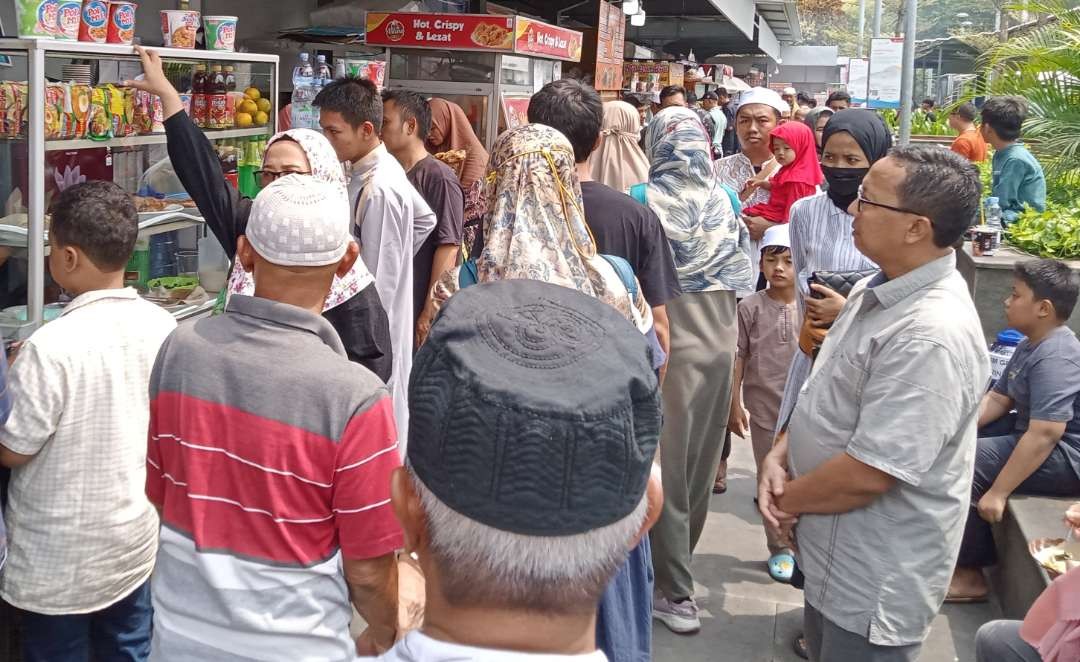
(706, 238)
(705, 233)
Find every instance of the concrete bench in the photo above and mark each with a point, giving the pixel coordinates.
(1017, 579)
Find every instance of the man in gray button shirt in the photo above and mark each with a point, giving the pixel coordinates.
(872, 476)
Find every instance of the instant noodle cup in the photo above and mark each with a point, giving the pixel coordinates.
(68, 19)
(178, 27)
(36, 18)
(95, 21)
(220, 33)
(121, 22)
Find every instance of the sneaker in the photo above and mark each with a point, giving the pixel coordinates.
(680, 617)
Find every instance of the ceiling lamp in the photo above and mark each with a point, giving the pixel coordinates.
(630, 7)
(638, 19)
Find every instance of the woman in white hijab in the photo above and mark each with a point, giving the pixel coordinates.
(619, 162)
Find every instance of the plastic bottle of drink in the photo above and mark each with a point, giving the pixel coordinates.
(230, 95)
(323, 70)
(339, 68)
(303, 113)
(993, 219)
(199, 100)
(1001, 351)
(248, 162)
(218, 115)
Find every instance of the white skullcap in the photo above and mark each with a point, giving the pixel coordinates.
(777, 235)
(299, 221)
(790, 91)
(765, 96)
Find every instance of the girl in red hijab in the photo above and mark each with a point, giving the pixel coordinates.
(795, 150)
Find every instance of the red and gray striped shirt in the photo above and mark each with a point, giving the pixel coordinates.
(270, 457)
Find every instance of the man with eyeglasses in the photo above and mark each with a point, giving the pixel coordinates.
(872, 476)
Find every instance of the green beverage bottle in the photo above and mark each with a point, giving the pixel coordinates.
(247, 164)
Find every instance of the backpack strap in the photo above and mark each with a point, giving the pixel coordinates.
(736, 204)
(626, 274)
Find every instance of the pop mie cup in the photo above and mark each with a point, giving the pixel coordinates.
(95, 21)
(220, 33)
(68, 19)
(178, 27)
(121, 22)
(36, 18)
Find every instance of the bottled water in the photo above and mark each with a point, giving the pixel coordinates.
(993, 219)
(1001, 351)
(304, 115)
(323, 74)
(339, 68)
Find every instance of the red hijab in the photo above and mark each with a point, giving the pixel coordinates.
(805, 169)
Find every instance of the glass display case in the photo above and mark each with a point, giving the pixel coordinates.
(65, 118)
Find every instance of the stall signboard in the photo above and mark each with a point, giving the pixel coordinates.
(536, 38)
(610, 38)
(886, 65)
(515, 111)
(473, 32)
(646, 77)
(476, 32)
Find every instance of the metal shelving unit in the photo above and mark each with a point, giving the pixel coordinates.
(32, 240)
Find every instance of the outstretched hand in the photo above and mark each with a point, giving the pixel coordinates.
(155, 82)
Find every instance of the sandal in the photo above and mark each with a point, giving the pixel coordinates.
(720, 484)
(798, 644)
(782, 566)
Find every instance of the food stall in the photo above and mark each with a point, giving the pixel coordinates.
(65, 118)
(488, 64)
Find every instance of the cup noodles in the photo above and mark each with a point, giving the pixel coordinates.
(121, 22)
(178, 27)
(68, 19)
(220, 33)
(95, 21)
(37, 18)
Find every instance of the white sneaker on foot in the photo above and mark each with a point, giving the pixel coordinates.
(679, 617)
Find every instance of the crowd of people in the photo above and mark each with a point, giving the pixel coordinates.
(484, 400)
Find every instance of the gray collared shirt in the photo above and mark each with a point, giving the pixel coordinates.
(896, 386)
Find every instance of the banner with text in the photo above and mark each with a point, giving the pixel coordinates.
(886, 66)
(476, 32)
(858, 72)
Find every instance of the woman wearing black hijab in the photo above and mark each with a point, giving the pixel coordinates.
(821, 238)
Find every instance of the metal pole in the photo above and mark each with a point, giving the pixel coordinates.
(862, 27)
(907, 79)
(35, 226)
(877, 18)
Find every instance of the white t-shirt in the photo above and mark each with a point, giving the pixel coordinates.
(82, 533)
(418, 647)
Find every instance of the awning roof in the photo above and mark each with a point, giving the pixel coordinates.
(782, 17)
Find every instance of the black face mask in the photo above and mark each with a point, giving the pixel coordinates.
(844, 184)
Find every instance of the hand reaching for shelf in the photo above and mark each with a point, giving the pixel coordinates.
(155, 82)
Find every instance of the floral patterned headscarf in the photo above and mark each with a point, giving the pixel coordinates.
(535, 225)
(325, 167)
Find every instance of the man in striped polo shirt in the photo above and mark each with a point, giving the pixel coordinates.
(270, 456)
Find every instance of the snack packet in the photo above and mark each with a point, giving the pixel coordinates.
(99, 120)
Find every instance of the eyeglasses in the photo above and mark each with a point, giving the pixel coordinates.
(268, 176)
(863, 201)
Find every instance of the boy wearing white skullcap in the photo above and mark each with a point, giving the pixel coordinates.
(769, 323)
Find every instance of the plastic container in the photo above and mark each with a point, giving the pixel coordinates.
(121, 23)
(95, 21)
(323, 75)
(36, 18)
(213, 263)
(217, 95)
(163, 255)
(993, 218)
(178, 27)
(1001, 351)
(68, 20)
(199, 100)
(220, 32)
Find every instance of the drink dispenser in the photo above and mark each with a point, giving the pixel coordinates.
(213, 263)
